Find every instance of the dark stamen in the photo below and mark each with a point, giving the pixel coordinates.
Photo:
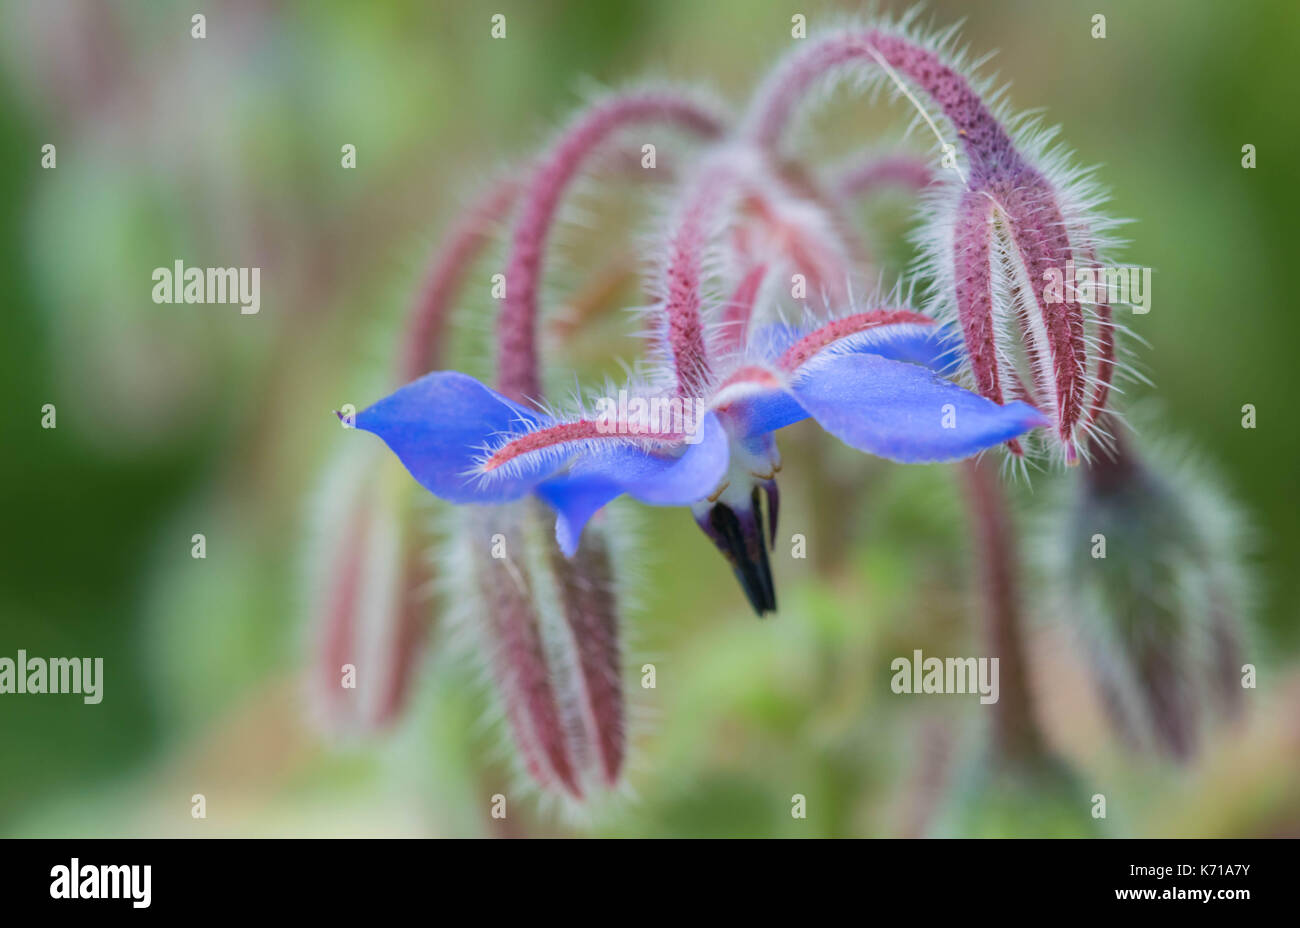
(739, 536)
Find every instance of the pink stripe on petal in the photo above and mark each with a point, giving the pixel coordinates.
(742, 384)
(543, 438)
(819, 339)
(582, 430)
(751, 374)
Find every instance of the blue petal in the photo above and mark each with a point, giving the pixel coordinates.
(665, 480)
(437, 426)
(903, 412)
(651, 477)
(764, 413)
(575, 500)
(938, 347)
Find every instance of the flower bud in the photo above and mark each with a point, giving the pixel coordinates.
(548, 628)
(368, 608)
(1149, 565)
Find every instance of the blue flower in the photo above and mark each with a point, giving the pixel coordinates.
(870, 379)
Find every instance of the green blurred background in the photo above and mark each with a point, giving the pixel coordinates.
(181, 419)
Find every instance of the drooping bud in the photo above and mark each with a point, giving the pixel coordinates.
(586, 585)
(548, 627)
(1003, 221)
(517, 362)
(367, 571)
(1149, 567)
(549, 624)
(370, 606)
